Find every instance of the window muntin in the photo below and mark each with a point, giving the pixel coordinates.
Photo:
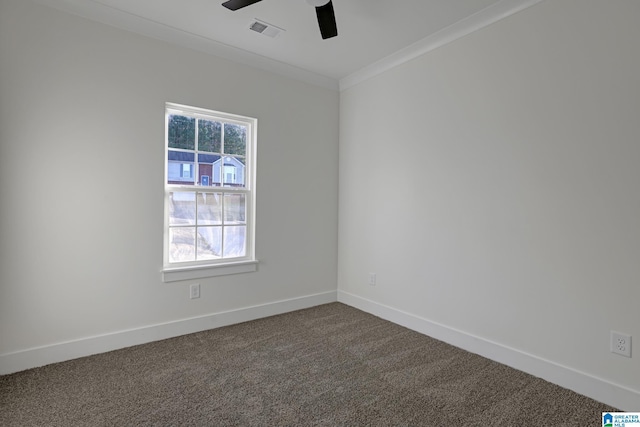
(209, 195)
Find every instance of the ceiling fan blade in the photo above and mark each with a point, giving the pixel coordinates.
(238, 4)
(327, 20)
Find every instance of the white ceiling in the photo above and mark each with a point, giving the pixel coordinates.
(370, 32)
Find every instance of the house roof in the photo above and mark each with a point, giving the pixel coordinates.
(182, 156)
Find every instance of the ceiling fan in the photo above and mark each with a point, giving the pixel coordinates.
(324, 12)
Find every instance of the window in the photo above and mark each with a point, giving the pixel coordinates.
(230, 173)
(187, 170)
(209, 193)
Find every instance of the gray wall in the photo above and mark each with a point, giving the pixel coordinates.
(81, 240)
(517, 220)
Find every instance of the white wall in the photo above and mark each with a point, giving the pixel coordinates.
(516, 219)
(81, 185)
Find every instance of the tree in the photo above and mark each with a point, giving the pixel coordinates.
(209, 136)
(235, 139)
(182, 132)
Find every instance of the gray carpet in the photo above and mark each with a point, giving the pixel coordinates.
(330, 365)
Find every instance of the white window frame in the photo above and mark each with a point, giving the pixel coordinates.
(208, 268)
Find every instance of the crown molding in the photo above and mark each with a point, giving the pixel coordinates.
(475, 22)
(96, 11)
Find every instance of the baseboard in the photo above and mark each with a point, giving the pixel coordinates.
(588, 385)
(40, 356)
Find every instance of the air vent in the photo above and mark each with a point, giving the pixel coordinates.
(265, 28)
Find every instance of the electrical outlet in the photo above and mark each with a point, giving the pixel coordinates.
(372, 279)
(194, 291)
(621, 343)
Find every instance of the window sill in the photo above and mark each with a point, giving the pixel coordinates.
(189, 273)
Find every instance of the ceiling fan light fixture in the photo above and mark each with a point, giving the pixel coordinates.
(318, 3)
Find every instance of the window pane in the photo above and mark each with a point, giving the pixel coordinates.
(182, 208)
(233, 171)
(209, 209)
(234, 241)
(182, 244)
(209, 135)
(235, 139)
(206, 174)
(180, 167)
(234, 208)
(209, 242)
(182, 132)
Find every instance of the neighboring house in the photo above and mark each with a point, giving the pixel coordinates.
(213, 169)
